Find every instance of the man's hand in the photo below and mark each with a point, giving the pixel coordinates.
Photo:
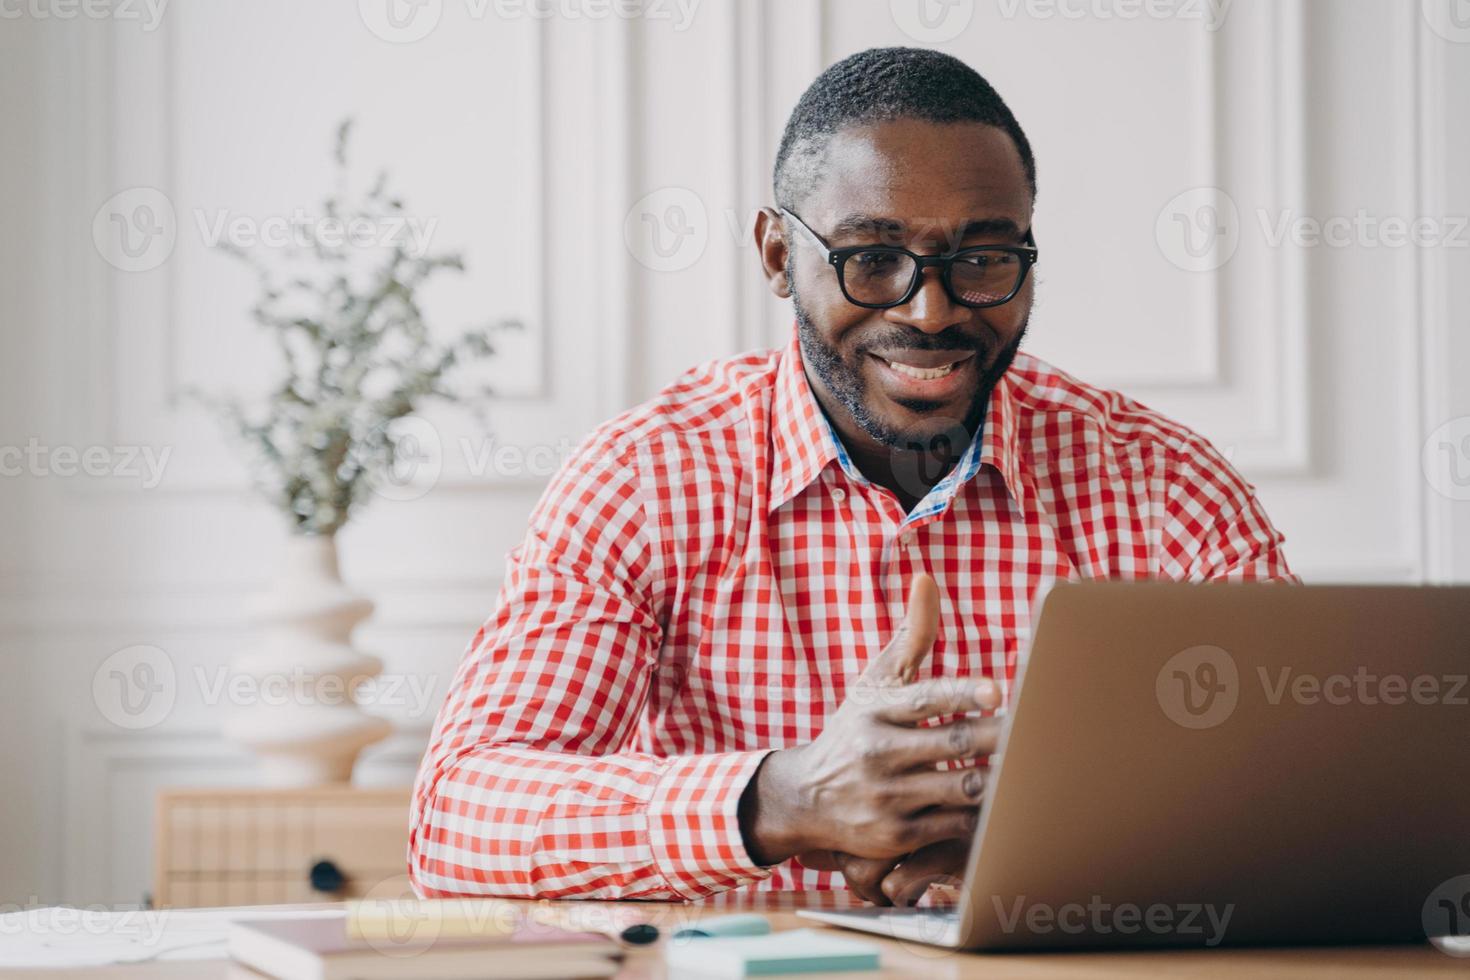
(867, 786)
(895, 881)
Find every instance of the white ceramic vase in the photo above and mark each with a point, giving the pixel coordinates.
(293, 698)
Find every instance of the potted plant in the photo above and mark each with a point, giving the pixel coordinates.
(336, 429)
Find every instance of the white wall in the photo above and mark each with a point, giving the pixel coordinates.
(1324, 369)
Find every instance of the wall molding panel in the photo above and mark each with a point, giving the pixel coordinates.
(144, 371)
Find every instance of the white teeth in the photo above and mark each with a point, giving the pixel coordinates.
(922, 374)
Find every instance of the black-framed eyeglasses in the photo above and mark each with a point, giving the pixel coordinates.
(881, 276)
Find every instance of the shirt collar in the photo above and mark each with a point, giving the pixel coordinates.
(1000, 438)
(803, 440)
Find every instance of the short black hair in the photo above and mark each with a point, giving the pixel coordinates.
(878, 85)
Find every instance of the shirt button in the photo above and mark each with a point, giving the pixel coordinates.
(839, 494)
(906, 539)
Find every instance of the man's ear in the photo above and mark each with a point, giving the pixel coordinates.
(770, 240)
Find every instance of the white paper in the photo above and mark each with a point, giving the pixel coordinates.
(63, 936)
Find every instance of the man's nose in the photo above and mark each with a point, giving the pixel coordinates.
(930, 309)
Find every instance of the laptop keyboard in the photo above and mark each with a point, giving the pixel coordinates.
(931, 913)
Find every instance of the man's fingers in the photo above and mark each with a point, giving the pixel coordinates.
(821, 860)
(967, 738)
(938, 864)
(939, 696)
(947, 823)
(956, 787)
(864, 876)
(914, 638)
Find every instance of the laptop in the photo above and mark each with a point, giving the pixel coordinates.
(1223, 764)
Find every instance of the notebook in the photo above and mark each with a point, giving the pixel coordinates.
(321, 949)
(797, 951)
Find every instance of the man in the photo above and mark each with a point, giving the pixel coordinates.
(759, 625)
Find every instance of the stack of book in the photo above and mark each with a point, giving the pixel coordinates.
(327, 949)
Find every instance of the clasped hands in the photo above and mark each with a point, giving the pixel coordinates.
(866, 797)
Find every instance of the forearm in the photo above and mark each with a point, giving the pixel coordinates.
(516, 822)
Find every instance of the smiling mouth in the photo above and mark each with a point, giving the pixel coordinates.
(921, 374)
(931, 372)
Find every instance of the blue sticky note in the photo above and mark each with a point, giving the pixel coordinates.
(797, 951)
(748, 924)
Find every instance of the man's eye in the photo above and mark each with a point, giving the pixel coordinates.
(981, 260)
(875, 260)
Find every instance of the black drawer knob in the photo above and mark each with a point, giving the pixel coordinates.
(327, 877)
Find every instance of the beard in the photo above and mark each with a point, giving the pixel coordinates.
(848, 386)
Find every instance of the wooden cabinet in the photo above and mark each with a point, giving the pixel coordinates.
(259, 846)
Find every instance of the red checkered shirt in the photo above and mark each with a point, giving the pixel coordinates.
(708, 572)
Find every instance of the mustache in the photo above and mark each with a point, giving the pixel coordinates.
(922, 341)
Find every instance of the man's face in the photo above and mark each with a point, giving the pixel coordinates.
(930, 188)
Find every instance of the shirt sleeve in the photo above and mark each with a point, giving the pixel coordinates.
(531, 786)
(1215, 528)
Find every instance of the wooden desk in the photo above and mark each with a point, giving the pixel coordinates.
(916, 962)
